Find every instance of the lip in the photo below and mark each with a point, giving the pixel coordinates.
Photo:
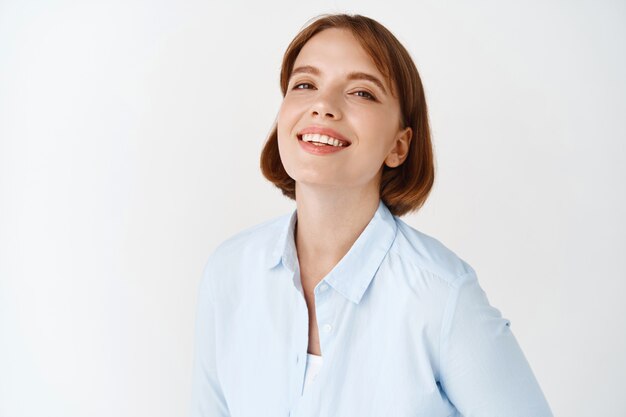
(324, 131)
(319, 150)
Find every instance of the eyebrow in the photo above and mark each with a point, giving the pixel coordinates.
(356, 75)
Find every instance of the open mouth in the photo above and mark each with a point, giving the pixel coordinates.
(323, 140)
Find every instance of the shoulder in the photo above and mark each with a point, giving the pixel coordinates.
(248, 249)
(429, 255)
(254, 242)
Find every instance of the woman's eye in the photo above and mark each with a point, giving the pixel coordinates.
(365, 94)
(303, 86)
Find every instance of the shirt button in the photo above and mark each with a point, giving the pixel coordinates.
(323, 287)
(327, 328)
(297, 358)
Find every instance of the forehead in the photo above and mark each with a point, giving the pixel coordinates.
(336, 50)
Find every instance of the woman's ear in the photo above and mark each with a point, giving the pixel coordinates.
(400, 149)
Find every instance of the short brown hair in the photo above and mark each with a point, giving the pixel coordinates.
(404, 188)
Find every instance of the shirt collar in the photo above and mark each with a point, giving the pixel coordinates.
(285, 249)
(354, 272)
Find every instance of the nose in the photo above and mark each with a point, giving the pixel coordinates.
(326, 106)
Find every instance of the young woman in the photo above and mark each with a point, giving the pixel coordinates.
(341, 308)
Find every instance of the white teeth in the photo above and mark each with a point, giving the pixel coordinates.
(315, 138)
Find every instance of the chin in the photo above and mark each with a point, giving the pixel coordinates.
(313, 179)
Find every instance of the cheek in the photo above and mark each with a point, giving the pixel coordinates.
(285, 125)
(286, 120)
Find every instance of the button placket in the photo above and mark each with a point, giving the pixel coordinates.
(325, 315)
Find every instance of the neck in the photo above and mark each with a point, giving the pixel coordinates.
(329, 222)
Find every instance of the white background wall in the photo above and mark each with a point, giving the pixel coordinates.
(130, 133)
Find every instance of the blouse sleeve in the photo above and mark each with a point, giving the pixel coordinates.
(483, 370)
(207, 399)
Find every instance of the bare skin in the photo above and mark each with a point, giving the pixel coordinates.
(322, 240)
(314, 339)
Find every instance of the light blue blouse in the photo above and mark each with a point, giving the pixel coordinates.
(405, 330)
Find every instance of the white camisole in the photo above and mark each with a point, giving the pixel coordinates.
(313, 365)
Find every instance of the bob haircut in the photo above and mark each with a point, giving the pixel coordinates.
(404, 188)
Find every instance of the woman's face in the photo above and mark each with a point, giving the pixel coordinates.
(336, 90)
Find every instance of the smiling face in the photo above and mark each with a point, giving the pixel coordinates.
(337, 95)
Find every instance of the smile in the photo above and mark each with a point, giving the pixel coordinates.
(321, 140)
(318, 144)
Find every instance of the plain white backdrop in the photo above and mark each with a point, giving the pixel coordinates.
(130, 134)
